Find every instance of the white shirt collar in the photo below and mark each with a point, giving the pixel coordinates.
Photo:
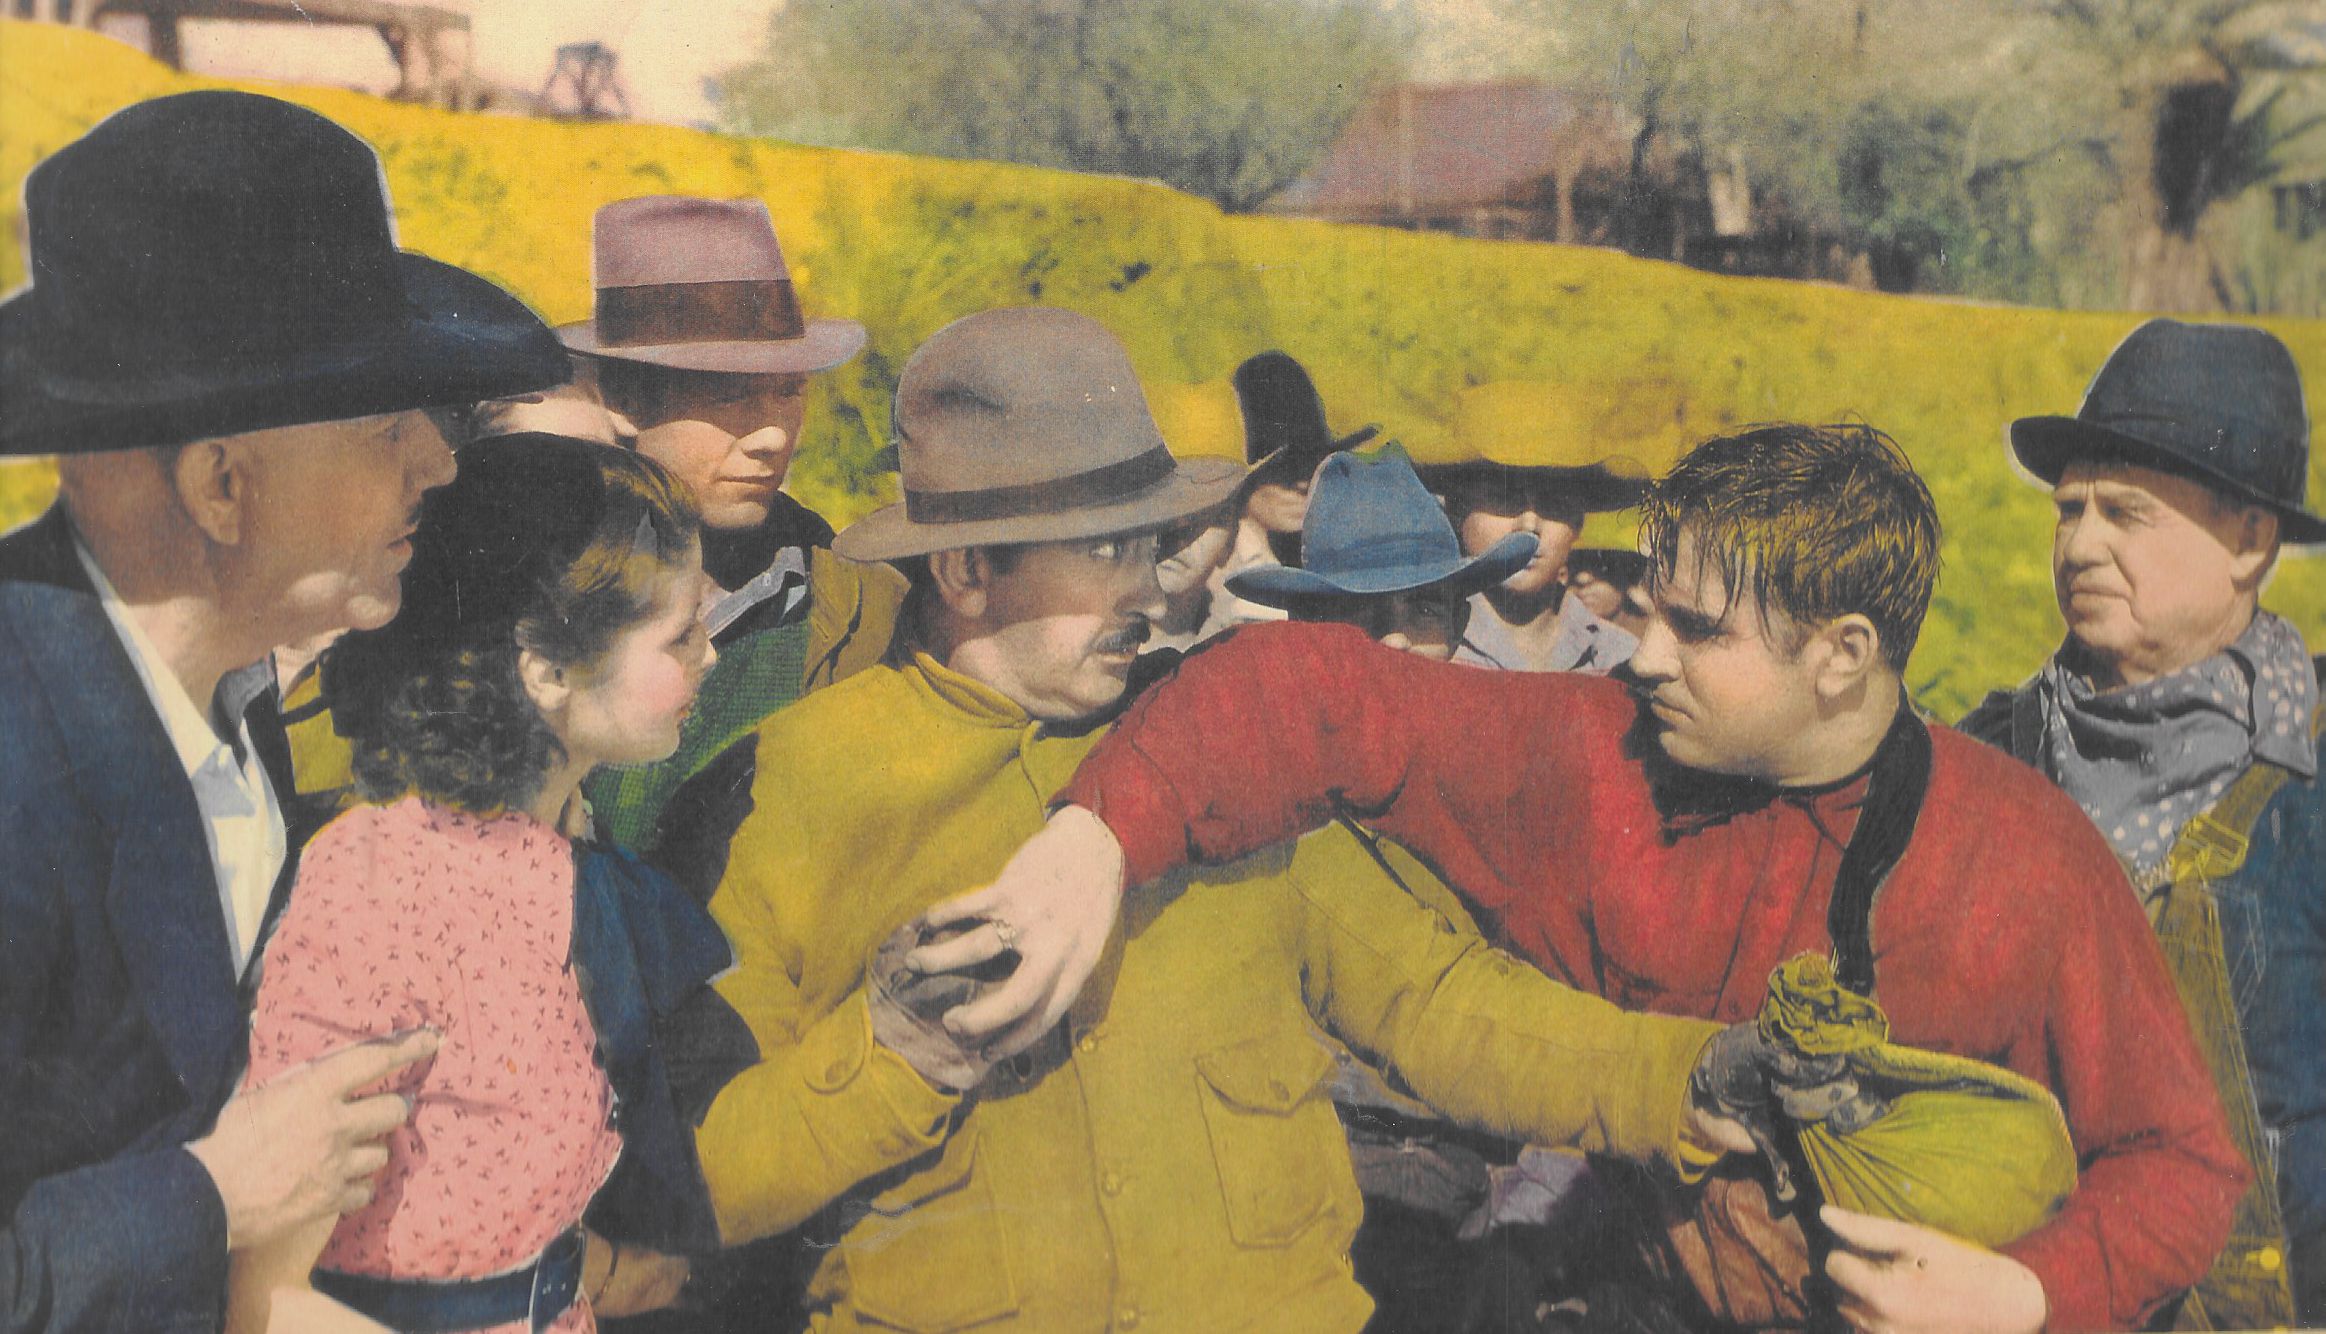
(191, 734)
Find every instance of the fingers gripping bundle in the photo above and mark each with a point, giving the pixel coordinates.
(1944, 1141)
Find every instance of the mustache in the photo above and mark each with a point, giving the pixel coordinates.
(1124, 640)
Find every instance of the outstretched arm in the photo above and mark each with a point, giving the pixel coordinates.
(1265, 735)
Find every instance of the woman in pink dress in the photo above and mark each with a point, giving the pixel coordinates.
(550, 625)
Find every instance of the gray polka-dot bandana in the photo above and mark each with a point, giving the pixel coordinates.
(2144, 759)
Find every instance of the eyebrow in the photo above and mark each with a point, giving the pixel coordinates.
(1690, 621)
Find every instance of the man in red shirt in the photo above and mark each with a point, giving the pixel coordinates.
(1668, 848)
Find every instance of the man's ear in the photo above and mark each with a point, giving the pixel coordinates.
(963, 578)
(2256, 546)
(212, 481)
(1851, 649)
(545, 683)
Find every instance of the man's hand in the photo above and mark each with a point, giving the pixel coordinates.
(1897, 1277)
(1055, 904)
(1746, 1081)
(305, 1147)
(630, 1280)
(908, 1009)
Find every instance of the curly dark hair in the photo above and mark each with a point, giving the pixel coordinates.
(541, 543)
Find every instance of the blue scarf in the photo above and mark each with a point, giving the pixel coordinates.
(2144, 759)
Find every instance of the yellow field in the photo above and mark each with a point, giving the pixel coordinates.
(1652, 355)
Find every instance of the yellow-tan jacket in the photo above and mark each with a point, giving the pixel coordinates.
(1168, 1159)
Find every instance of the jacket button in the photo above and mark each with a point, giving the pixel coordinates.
(1111, 1184)
(1127, 1318)
(2268, 1259)
(1087, 1044)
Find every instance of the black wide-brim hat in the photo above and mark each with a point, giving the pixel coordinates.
(215, 263)
(2221, 403)
(1285, 436)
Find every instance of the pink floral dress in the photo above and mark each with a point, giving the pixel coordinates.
(412, 914)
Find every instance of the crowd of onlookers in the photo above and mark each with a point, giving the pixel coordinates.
(577, 887)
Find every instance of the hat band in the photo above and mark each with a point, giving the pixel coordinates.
(1082, 490)
(749, 310)
(1394, 552)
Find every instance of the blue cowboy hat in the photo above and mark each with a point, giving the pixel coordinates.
(1373, 528)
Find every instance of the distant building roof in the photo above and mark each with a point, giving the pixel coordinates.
(1423, 149)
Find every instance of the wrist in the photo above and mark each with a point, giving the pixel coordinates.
(599, 1252)
(1093, 835)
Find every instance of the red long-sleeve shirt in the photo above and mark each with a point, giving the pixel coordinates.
(2006, 932)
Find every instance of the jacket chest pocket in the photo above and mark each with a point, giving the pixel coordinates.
(1275, 1140)
(929, 1255)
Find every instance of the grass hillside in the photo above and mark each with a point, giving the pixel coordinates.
(1652, 356)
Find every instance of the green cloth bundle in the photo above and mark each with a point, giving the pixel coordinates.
(1965, 1147)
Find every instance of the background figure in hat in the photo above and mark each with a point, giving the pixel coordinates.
(701, 353)
(1531, 470)
(1197, 420)
(2184, 719)
(1285, 438)
(231, 357)
(1171, 1157)
(1381, 556)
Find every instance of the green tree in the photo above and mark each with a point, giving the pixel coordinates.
(1229, 99)
(2102, 152)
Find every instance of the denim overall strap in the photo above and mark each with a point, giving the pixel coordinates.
(2248, 1286)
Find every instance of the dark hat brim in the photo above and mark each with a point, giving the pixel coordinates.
(827, 343)
(1290, 588)
(1288, 465)
(464, 340)
(1619, 483)
(1192, 486)
(2045, 446)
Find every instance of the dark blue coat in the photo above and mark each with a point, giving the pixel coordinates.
(123, 1026)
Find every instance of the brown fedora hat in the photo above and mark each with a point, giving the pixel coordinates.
(700, 285)
(1028, 425)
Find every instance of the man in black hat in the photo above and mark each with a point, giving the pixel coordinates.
(231, 359)
(2184, 719)
(1285, 438)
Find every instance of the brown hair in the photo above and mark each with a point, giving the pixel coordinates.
(1817, 522)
